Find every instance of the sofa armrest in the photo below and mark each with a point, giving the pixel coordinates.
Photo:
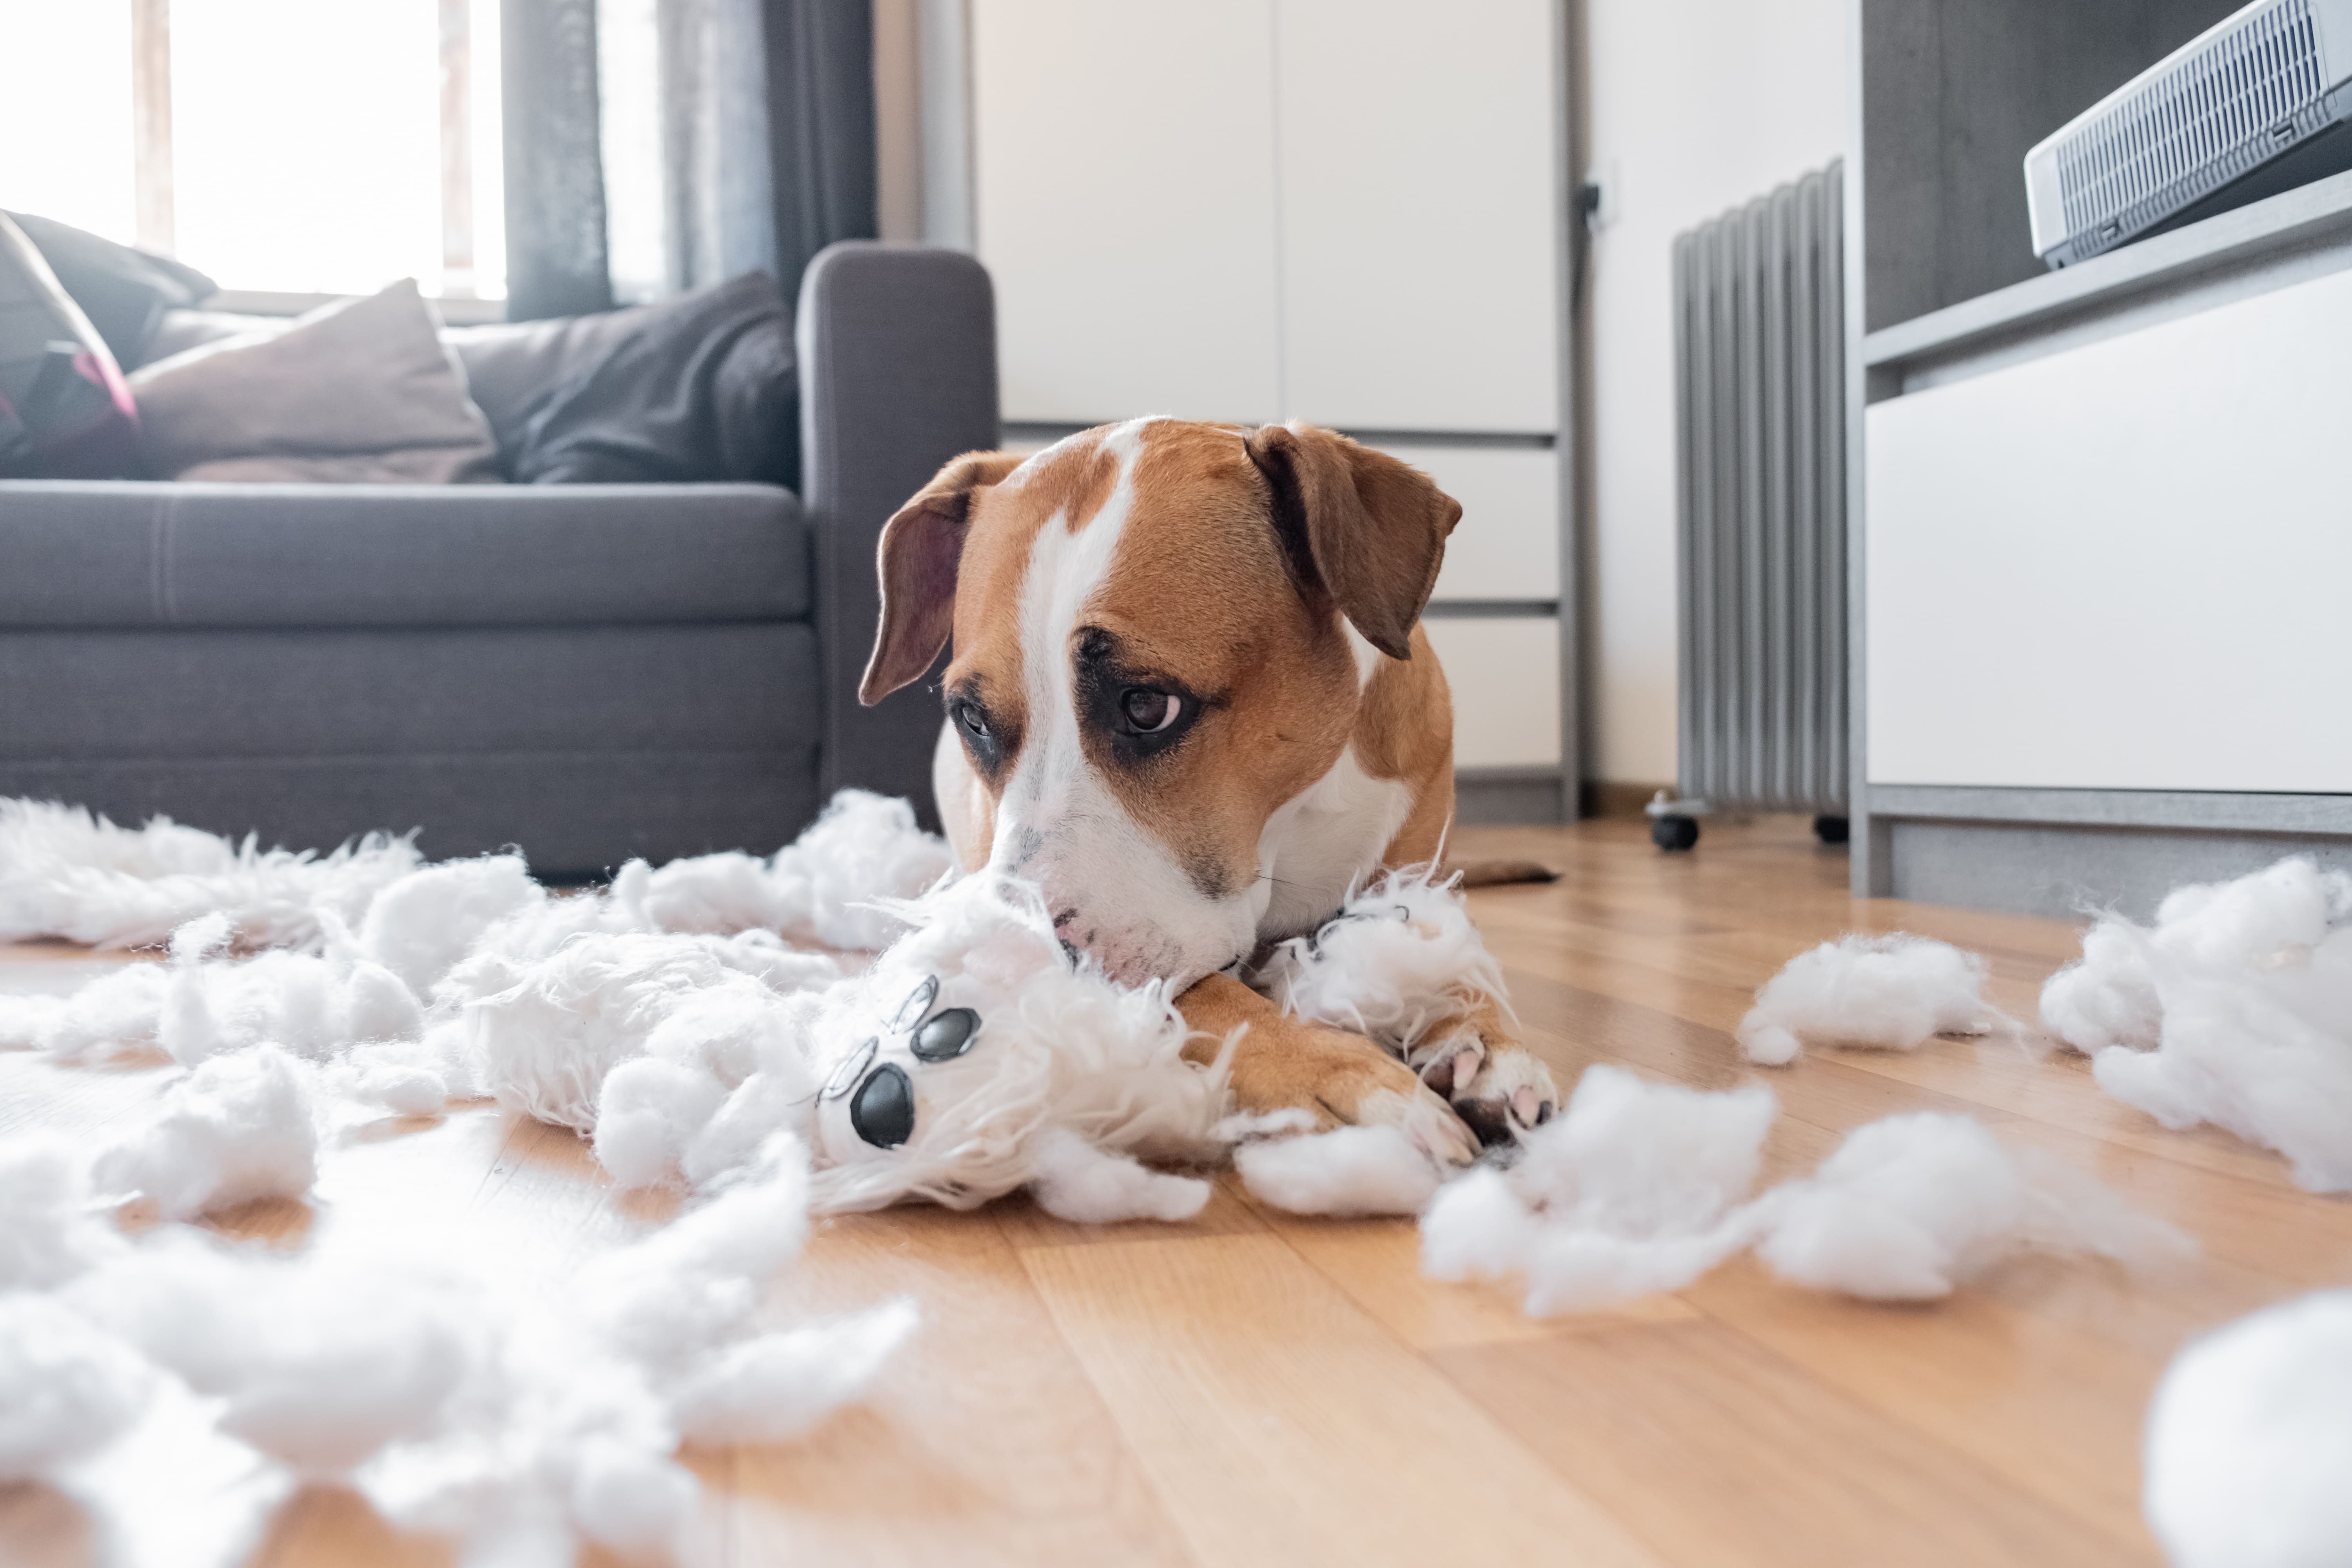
(897, 365)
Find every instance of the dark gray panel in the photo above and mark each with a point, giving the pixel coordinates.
(572, 813)
(2062, 871)
(156, 694)
(123, 554)
(1953, 95)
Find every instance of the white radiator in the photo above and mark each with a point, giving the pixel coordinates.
(1759, 381)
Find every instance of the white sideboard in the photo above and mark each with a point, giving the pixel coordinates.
(2123, 565)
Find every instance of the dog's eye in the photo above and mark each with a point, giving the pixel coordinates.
(975, 723)
(1148, 712)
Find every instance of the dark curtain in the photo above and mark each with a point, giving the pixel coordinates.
(767, 125)
(557, 261)
(820, 127)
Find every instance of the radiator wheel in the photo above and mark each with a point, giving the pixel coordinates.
(1674, 832)
(1830, 829)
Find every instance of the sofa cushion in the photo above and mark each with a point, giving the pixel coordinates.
(128, 555)
(65, 411)
(357, 392)
(512, 366)
(124, 292)
(179, 331)
(701, 387)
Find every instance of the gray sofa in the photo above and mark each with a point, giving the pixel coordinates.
(590, 672)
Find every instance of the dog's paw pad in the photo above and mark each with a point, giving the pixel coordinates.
(1511, 1097)
(1450, 1066)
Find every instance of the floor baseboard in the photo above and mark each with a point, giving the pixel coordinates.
(1610, 798)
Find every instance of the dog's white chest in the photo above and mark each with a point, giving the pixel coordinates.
(1323, 842)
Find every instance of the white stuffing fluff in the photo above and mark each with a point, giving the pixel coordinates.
(2234, 1008)
(420, 926)
(1638, 1187)
(1629, 1191)
(2249, 1442)
(66, 1388)
(1892, 992)
(198, 1006)
(1074, 1180)
(49, 1231)
(1349, 1171)
(317, 1365)
(829, 886)
(522, 1418)
(237, 1127)
(66, 873)
(1911, 1205)
(1399, 963)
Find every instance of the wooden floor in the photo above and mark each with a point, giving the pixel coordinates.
(1250, 1388)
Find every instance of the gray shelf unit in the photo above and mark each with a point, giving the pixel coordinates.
(1949, 94)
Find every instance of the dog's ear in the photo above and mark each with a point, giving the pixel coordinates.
(921, 546)
(1357, 524)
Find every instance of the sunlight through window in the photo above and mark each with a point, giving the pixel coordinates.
(312, 148)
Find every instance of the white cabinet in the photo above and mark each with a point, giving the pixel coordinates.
(1503, 672)
(1123, 190)
(1419, 213)
(2122, 565)
(1506, 545)
(1343, 211)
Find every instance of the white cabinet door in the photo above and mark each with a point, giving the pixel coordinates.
(2123, 566)
(1125, 205)
(1419, 148)
(1505, 677)
(1506, 545)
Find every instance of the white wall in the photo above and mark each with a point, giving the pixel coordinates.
(1694, 106)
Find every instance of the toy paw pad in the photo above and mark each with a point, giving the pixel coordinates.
(884, 1112)
(947, 1037)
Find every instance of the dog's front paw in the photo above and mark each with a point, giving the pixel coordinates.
(1510, 1095)
(1341, 1080)
(1432, 1124)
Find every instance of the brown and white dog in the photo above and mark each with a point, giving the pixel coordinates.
(1191, 699)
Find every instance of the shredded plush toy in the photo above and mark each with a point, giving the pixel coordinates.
(670, 1018)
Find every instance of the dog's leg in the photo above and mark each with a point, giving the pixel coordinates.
(1336, 1077)
(1475, 1060)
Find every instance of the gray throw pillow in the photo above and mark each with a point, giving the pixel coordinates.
(359, 391)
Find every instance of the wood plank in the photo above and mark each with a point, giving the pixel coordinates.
(1281, 1425)
(983, 1443)
(1722, 1454)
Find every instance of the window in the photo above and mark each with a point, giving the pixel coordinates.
(296, 146)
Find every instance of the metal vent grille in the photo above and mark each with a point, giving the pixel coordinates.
(2197, 126)
(1759, 383)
